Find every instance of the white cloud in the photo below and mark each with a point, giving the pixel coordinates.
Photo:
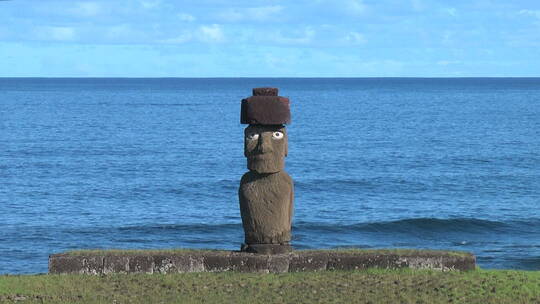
(447, 62)
(274, 61)
(231, 15)
(86, 9)
(263, 13)
(55, 33)
(304, 37)
(342, 7)
(451, 11)
(448, 38)
(119, 31)
(62, 33)
(533, 13)
(3, 33)
(356, 7)
(211, 33)
(182, 38)
(417, 5)
(186, 17)
(148, 4)
(355, 38)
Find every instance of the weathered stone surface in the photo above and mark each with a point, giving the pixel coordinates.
(183, 263)
(312, 261)
(62, 263)
(437, 262)
(267, 248)
(265, 110)
(356, 262)
(265, 148)
(265, 92)
(448, 263)
(138, 264)
(249, 263)
(164, 264)
(115, 264)
(266, 206)
(266, 192)
(279, 263)
(217, 261)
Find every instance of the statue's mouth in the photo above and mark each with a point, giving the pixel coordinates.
(262, 156)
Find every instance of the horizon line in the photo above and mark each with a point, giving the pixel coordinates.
(260, 77)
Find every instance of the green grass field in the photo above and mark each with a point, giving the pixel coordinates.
(371, 286)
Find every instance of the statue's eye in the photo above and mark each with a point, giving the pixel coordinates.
(252, 136)
(277, 135)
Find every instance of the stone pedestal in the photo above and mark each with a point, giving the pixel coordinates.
(96, 262)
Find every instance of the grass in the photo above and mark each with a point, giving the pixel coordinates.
(370, 286)
(103, 252)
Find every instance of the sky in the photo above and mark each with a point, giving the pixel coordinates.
(255, 38)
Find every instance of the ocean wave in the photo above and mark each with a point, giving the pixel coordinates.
(410, 225)
(192, 228)
(416, 225)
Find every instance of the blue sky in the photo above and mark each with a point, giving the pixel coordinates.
(316, 38)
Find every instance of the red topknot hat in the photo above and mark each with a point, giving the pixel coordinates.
(265, 107)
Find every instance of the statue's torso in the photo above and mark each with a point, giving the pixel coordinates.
(266, 206)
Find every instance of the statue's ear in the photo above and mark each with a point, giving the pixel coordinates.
(247, 130)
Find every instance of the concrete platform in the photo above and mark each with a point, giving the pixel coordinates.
(98, 262)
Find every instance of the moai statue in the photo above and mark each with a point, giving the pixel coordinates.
(266, 191)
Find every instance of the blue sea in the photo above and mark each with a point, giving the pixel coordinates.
(377, 163)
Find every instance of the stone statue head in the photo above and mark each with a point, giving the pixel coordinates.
(265, 147)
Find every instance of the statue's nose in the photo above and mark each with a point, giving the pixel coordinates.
(265, 144)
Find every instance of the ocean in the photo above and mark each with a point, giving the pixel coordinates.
(377, 163)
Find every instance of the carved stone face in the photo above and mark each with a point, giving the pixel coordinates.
(265, 148)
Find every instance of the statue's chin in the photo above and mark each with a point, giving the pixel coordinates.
(265, 166)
